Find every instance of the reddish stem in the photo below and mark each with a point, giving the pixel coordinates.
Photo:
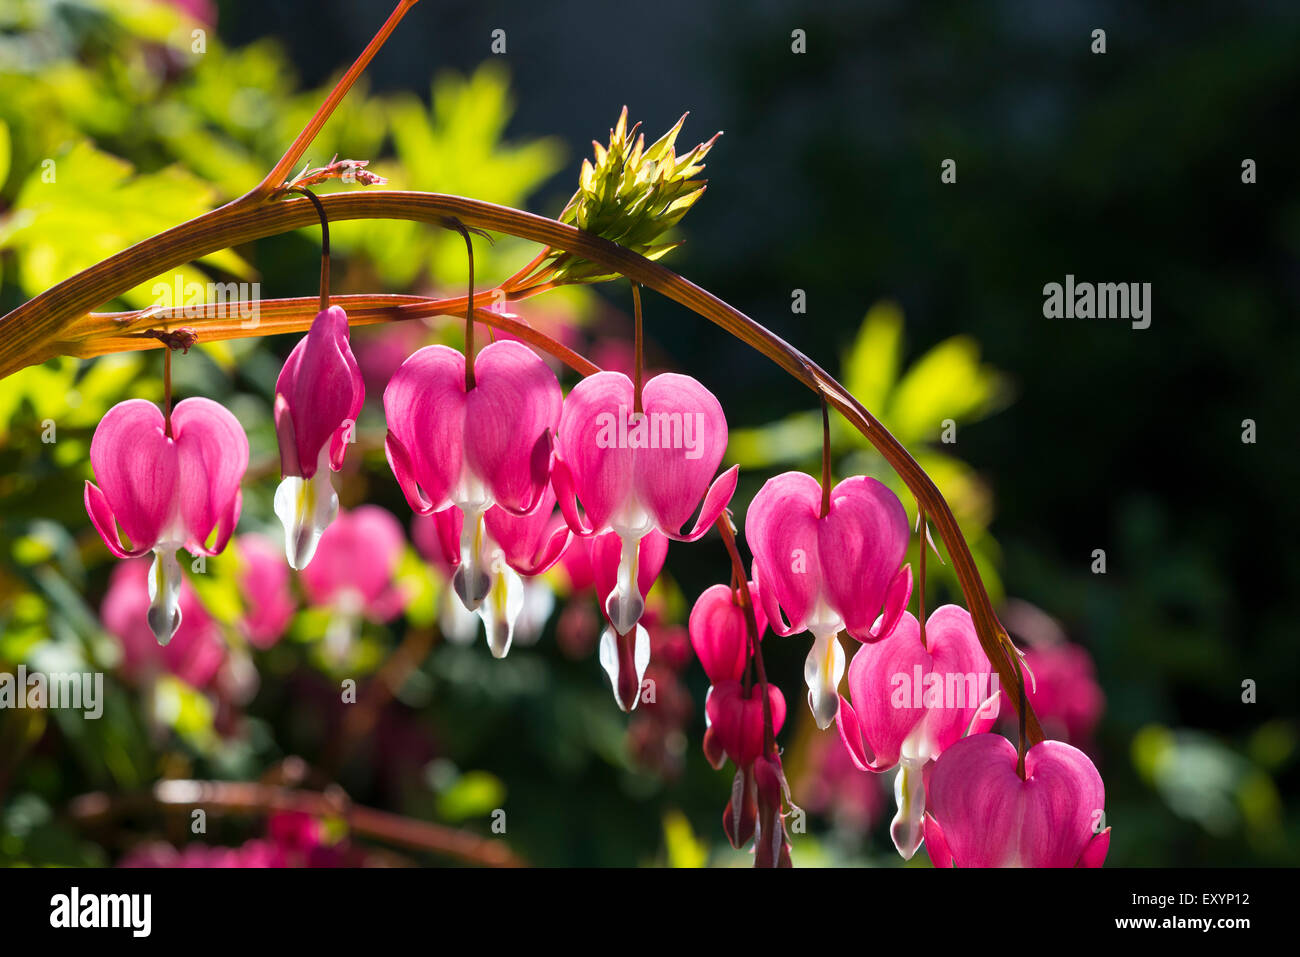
(728, 533)
(280, 172)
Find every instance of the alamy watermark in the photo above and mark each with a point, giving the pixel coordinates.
(651, 430)
(975, 689)
(79, 691)
(214, 300)
(1103, 300)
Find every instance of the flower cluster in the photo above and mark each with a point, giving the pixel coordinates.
(507, 477)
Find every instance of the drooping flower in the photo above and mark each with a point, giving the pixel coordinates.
(317, 399)
(911, 701)
(634, 473)
(195, 652)
(166, 491)
(264, 585)
(720, 634)
(829, 573)
(490, 445)
(982, 814)
(353, 573)
(736, 721)
(511, 549)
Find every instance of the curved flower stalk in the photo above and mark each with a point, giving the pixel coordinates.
(639, 464)
(472, 448)
(264, 584)
(911, 701)
(830, 562)
(512, 549)
(353, 574)
(317, 399)
(170, 483)
(984, 814)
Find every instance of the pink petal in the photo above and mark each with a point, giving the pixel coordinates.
(715, 500)
(1094, 855)
(264, 584)
(781, 527)
(531, 543)
(936, 844)
(135, 465)
(886, 680)
(425, 408)
(688, 433)
(599, 471)
(212, 453)
(510, 416)
(862, 541)
(850, 729)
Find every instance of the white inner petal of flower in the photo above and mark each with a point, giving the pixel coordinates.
(306, 507)
(822, 671)
(164, 613)
(909, 793)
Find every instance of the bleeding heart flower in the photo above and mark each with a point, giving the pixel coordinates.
(353, 571)
(736, 723)
(488, 446)
(829, 573)
(317, 399)
(911, 701)
(1061, 683)
(720, 633)
(983, 815)
(510, 548)
(166, 491)
(264, 584)
(635, 473)
(195, 652)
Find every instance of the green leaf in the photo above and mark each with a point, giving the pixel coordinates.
(871, 366)
(947, 382)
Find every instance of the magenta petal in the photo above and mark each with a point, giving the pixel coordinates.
(781, 527)
(715, 500)
(846, 722)
(957, 656)
(588, 439)
(687, 436)
(322, 393)
(1094, 855)
(896, 599)
(212, 453)
(522, 537)
(425, 408)
(936, 845)
(101, 516)
(399, 460)
(135, 465)
(863, 540)
(509, 417)
(566, 495)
